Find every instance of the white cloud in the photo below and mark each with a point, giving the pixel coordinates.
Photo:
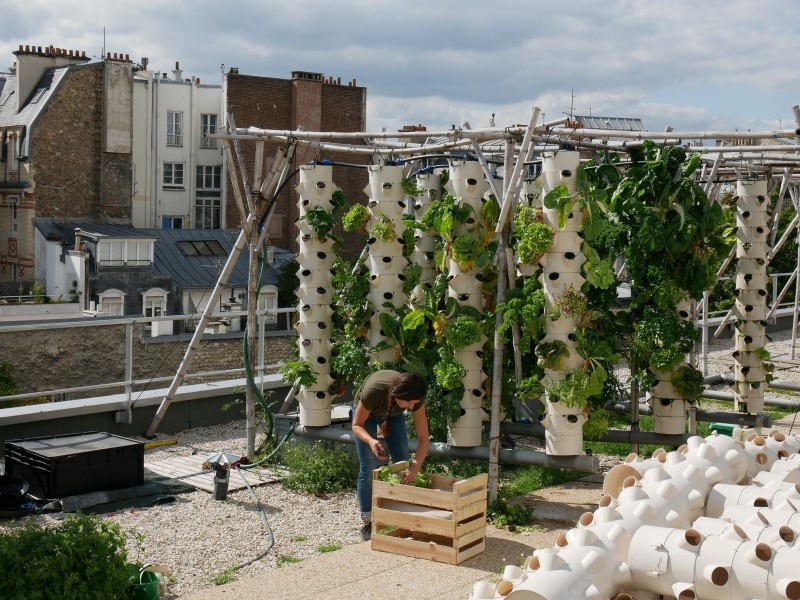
(679, 62)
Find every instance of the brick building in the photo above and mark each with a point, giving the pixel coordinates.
(310, 101)
(65, 128)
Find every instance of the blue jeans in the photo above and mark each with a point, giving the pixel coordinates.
(397, 445)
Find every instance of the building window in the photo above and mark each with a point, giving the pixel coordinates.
(174, 128)
(111, 253)
(171, 222)
(208, 125)
(154, 302)
(173, 175)
(112, 302)
(208, 200)
(268, 298)
(13, 201)
(118, 253)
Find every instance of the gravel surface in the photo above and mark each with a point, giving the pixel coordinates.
(201, 539)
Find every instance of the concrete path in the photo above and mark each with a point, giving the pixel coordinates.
(356, 572)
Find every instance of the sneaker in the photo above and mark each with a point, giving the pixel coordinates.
(366, 532)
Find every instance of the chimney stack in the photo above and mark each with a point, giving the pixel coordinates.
(177, 73)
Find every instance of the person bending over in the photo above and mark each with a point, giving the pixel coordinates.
(381, 402)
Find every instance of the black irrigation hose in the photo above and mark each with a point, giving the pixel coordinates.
(266, 523)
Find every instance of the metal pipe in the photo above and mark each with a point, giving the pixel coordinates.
(706, 416)
(612, 435)
(728, 397)
(585, 463)
(679, 135)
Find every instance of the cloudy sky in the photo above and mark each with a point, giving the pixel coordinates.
(694, 65)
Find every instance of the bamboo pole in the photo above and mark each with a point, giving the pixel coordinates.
(513, 186)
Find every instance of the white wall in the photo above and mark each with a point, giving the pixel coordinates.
(153, 98)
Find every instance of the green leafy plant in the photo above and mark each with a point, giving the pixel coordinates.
(286, 559)
(320, 221)
(688, 382)
(466, 250)
(411, 273)
(552, 354)
(410, 187)
(577, 388)
(356, 218)
(82, 558)
(386, 474)
(298, 372)
(571, 303)
(383, 229)
(225, 576)
(533, 236)
(315, 469)
(462, 331)
(449, 372)
(325, 548)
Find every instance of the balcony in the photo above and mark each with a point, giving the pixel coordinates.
(174, 139)
(208, 143)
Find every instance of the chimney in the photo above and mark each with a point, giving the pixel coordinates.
(177, 73)
(145, 62)
(32, 62)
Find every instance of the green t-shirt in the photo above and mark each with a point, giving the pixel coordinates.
(374, 394)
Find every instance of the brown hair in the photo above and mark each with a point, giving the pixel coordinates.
(408, 386)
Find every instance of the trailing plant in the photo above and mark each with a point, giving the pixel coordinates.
(661, 341)
(356, 218)
(533, 237)
(524, 306)
(409, 242)
(350, 360)
(688, 382)
(351, 297)
(410, 187)
(411, 274)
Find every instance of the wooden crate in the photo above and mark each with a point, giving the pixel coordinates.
(446, 522)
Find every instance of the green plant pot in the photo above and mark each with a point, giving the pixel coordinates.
(143, 582)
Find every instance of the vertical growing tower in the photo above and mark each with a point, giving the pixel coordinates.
(752, 220)
(315, 294)
(468, 186)
(386, 261)
(562, 274)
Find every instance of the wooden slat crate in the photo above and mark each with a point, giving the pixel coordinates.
(446, 522)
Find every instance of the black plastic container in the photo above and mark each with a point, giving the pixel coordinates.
(67, 465)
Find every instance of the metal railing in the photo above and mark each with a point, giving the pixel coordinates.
(129, 322)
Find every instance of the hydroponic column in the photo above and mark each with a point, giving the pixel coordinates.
(425, 241)
(386, 261)
(669, 406)
(562, 279)
(315, 294)
(750, 309)
(468, 186)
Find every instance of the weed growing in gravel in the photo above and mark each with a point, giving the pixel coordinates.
(225, 576)
(286, 559)
(329, 548)
(300, 538)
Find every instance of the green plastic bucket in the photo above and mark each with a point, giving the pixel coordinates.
(722, 428)
(143, 582)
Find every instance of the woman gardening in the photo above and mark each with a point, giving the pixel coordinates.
(381, 401)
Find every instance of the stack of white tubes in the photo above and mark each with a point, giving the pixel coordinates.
(704, 522)
(562, 271)
(386, 260)
(468, 186)
(315, 294)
